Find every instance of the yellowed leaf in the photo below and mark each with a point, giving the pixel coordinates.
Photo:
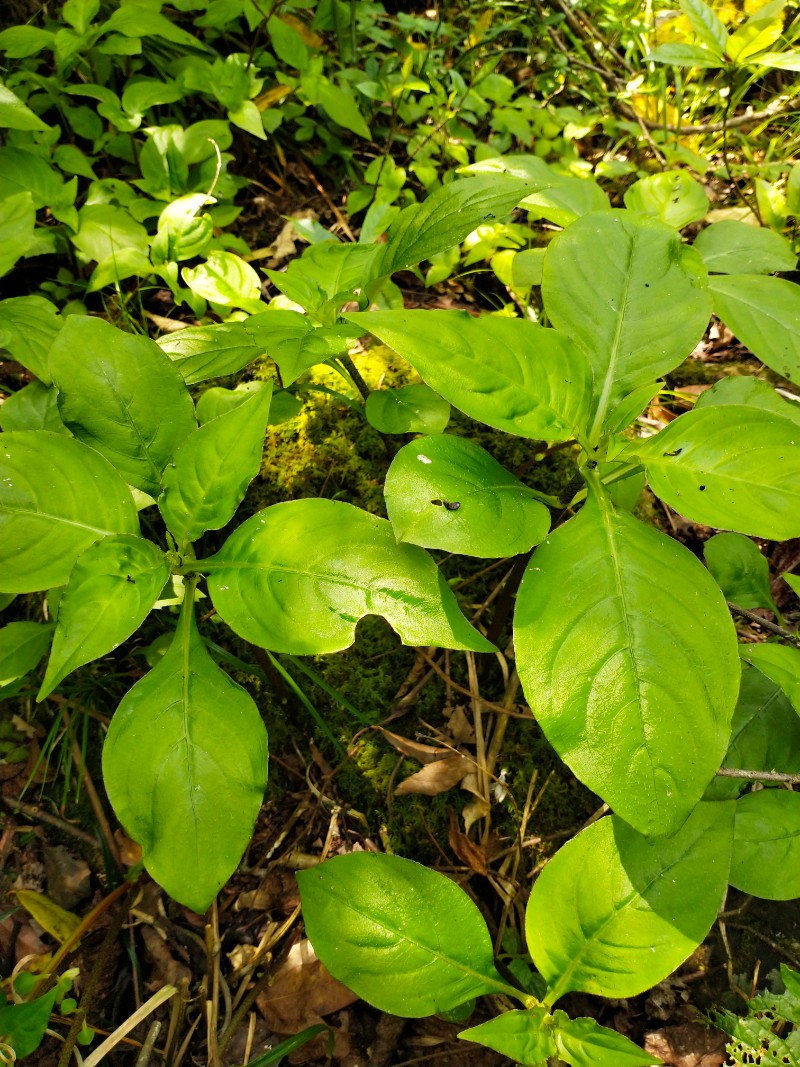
(57, 921)
(272, 96)
(305, 33)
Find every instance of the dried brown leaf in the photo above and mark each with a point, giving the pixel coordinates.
(436, 778)
(414, 749)
(301, 992)
(466, 850)
(687, 1045)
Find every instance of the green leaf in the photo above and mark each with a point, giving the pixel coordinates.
(288, 44)
(566, 200)
(793, 581)
(80, 13)
(706, 24)
(23, 1025)
(762, 29)
(227, 280)
(22, 171)
(324, 272)
(142, 18)
(298, 576)
(584, 1043)
(789, 60)
(628, 657)
(766, 845)
(120, 394)
(537, 384)
(731, 467)
(379, 923)
(108, 230)
(22, 645)
(17, 221)
(751, 392)
(28, 327)
(740, 570)
(734, 247)
(765, 734)
(218, 401)
(409, 409)
(19, 42)
(626, 290)
(446, 217)
(672, 196)
(684, 55)
(247, 117)
(57, 497)
(202, 352)
(778, 662)
(613, 913)
(14, 115)
(764, 313)
(110, 592)
(340, 105)
(446, 492)
(191, 793)
(211, 471)
(523, 1036)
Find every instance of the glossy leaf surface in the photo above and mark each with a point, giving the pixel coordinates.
(780, 663)
(28, 327)
(445, 492)
(537, 384)
(379, 922)
(740, 570)
(298, 576)
(446, 217)
(584, 1043)
(734, 247)
(520, 1035)
(211, 471)
(627, 656)
(22, 645)
(409, 409)
(672, 196)
(120, 394)
(764, 313)
(637, 305)
(57, 497)
(202, 352)
(188, 799)
(751, 392)
(731, 467)
(113, 586)
(613, 913)
(765, 734)
(225, 279)
(766, 845)
(34, 407)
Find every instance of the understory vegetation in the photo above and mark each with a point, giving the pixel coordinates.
(399, 533)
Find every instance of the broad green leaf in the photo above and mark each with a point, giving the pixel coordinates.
(731, 467)
(110, 591)
(80, 13)
(565, 200)
(627, 655)
(751, 392)
(19, 42)
(57, 497)
(447, 216)
(202, 352)
(789, 60)
(764, 313)
(793, 581)
(584, 1043)
(218, 401)
(632, 405)
(684, 55)
(706, 24)
(22, 171)
(17, 221)
(614, 913)
(734, 247)
(338, 103)
(5, 600)
(140, 18)
(28, 326)
(298, 576)
(740, 570)
(765, 735)
(227, 280)
(15, 115)
(624, 288)
(34, 407)
(108, 230)
(140, 94)
(446, 492)
(247, 117)
(793, 192)
(780, 663)
(23, 1025)
(209, 474)
(537, 384)
(325, 271)
(185, 767)
(296, 348)
(289, 46)
(673, 196)
(127, 263)
(22, 645)
(762, 29)
(520, 1035)
(120, 394)
(766, 845)
(379, 923)
(409, 409)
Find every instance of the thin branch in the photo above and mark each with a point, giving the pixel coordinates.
(773, 627)
(759, 776)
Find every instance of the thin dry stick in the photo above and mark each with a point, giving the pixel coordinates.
(33, 811)
(143, 1059)
(765, 623)
(480, 741)
(760, 776)
(213, 947)
(499, 708)
(94, 799)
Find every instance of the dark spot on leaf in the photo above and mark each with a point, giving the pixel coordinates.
(451, 505)
(701, 488)
(677, 452)
(131, 580)
(438, 503)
